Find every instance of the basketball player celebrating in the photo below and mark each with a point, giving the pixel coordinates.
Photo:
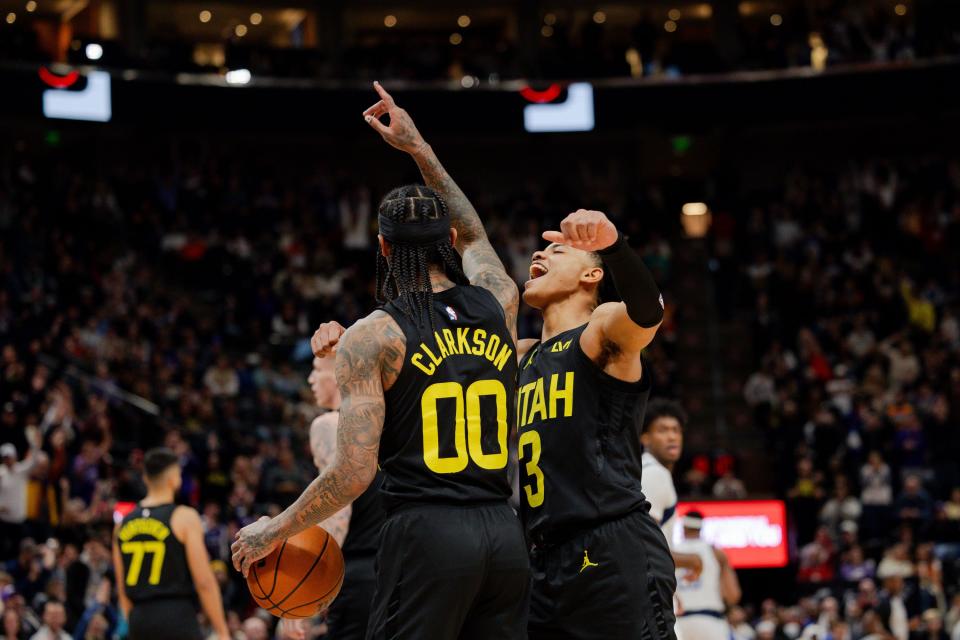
(427, 389)
(705, 599)
(161, 562)
(356, 526)
(601, 566)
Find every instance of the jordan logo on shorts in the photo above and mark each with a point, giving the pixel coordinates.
(586, 562)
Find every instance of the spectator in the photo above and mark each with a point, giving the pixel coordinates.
(817, 559)
(840, 507)
(54, 619)
(729, 487)
(221, 379)
(914, 504)
(12, 627)
(14, 476)
(254, 628)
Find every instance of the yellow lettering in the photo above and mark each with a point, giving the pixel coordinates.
(492, 345)
(539, 404)
(433, 358)
(502, 357)
(451, 343)
(565, 394)
(144, 527)
(479, 336)
(417, 361)
(463, 345)
(443, 350)
(523, 400)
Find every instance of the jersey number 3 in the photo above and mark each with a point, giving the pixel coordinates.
(467, 424)
(139, 549)
(535, 492)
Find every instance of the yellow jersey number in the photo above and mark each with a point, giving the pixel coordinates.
(535, 490)
(466, 433)
(138, 550)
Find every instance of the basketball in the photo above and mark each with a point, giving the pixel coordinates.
(301, 577)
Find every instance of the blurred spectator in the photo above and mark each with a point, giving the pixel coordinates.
(54, 620)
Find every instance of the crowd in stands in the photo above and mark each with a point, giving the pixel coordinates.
(850, 278)
(571, 43)
(169, 300)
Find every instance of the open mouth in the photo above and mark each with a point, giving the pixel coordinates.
(536, 270)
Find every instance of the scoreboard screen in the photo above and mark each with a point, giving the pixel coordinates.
(753, 533)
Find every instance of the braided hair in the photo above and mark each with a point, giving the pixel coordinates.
(405, 277)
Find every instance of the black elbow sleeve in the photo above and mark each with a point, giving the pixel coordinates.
(634, 283)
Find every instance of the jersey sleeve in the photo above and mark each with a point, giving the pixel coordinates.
(658, 488)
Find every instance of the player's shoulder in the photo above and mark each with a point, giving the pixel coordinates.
(373, 343)
(183, 519)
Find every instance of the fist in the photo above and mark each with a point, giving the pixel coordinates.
(586, 230)
(325, 339)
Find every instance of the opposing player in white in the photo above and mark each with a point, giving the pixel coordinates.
(662, 439)
(705, 599)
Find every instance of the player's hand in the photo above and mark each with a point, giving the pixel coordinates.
(325, 339)
(293, 629)
(254, 542)
(586, 230)
(692, 572)
(401, 133)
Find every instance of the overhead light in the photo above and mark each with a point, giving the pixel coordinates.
(463, 21)
(599, 17)
(31, 6)
(674, 14)
(11, 17)
(240, 30)
(546, 31)
(776, 20)
(390, 21)
(670, 26)
(455, 38)
(205, 16)
(238, 76)
(550, 19)
(900, 9)
(468, 81)
(695, 209)
(93, 51)
(256, 18)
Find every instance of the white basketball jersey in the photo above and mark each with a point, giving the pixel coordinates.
(703, 594)
(657, 484)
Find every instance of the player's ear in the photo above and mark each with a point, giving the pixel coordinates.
(592, 275)
(453, 236)
(384, 246)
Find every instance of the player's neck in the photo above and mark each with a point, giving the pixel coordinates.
(564, 315)
(439, 280)
(156, 497)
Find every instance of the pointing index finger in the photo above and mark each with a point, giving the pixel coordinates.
(386, 97)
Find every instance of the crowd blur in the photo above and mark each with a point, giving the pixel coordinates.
(850, 278)
(504, 43)
(168, 298)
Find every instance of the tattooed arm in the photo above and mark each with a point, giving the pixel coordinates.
(323, 445)
(480, 262)
(369, 357)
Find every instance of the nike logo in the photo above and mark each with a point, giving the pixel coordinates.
(586, 562)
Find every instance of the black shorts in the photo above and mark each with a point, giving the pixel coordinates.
(613, 581)
(451, 572)
(348, 615)
(164, 619)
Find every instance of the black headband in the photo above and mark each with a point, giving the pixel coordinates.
(415, 233)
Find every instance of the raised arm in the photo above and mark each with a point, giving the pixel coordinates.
(481, 263)
(369, 355)
(617, 331)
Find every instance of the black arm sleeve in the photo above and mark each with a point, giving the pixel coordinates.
(634, 283)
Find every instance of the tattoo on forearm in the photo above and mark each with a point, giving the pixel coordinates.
(370, 354)
(481, 263)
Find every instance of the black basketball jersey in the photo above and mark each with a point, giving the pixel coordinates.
(448, 413)
(579, 446)
(366, 518)
(154, 561)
